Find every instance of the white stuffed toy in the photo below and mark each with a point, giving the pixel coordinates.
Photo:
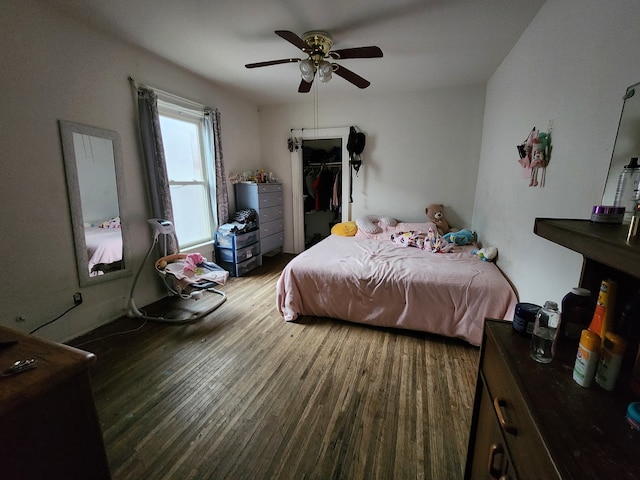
(486, 254)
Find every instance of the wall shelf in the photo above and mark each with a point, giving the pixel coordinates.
(605, 244)
(606, 255)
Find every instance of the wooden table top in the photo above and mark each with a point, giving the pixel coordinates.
(56, 363)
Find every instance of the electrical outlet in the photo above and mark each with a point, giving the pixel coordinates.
(77, 298)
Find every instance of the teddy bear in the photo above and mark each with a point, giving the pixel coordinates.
(435, 212)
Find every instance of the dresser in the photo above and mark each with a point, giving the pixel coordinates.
(267, 200)
(534, 421)
(48, 420)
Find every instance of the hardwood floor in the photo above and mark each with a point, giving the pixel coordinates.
(242, 394)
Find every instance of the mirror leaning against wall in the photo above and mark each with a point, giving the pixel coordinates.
(627, 143)
(95, 184)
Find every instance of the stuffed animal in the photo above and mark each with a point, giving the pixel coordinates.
(460, 237)
(435, 243)
(435, 212)
(486, 254)
(112, 223)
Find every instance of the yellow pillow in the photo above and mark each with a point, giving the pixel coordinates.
(344, 229)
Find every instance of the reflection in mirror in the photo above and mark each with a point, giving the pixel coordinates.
(627, 142)
(93, 166)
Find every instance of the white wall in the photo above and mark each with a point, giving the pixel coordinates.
(421, 148)
(54, 68)
(572, 65)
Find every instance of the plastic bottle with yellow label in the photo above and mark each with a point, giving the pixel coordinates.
(586, 358)
(613, 348)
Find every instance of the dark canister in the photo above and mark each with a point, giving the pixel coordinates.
(577, 312)
(524, 318)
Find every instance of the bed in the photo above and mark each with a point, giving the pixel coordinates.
(104, 249)
(369, 279)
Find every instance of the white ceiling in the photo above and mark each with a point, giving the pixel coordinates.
(426, 43)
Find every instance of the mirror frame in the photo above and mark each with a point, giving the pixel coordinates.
(618, 161)
(67, 129)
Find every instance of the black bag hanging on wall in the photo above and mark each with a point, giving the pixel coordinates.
(355, 146)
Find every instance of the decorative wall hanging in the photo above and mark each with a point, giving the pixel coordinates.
(535, 153)
(294, 143)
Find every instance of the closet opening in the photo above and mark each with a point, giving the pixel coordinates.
(319, 154)
(321, 187)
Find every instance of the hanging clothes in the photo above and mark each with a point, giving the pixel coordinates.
(316, 184)
(336, 202)
(308, 190)
(325, 190)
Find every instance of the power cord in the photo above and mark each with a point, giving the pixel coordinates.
(55, 319)
(111, 335)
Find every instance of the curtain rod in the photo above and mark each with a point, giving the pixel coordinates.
(169, 96)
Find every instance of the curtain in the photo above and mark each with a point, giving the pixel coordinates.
(221, 204)
(153, 152)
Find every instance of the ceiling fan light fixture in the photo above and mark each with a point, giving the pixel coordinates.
(307, 69)
(324, 71)
(316, 45)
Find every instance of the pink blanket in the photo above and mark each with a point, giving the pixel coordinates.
(377, 282)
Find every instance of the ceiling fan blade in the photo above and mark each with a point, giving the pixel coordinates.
(293, 38)
(358, 52)
(272, 62)
(304, 87)
(349, 76)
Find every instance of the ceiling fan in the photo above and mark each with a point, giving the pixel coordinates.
(317, 45)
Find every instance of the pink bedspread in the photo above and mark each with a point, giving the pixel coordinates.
(377, 282)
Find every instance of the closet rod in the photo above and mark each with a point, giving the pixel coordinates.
(324, 164)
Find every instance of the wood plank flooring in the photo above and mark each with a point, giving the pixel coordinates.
(242, 394)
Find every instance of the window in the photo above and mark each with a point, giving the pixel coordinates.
(189, 157)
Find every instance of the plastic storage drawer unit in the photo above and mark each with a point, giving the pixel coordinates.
(235, 240)
(242, 268)
(238, 253)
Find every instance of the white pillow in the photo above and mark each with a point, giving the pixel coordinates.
(369, 223)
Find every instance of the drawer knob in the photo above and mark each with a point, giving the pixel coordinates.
(498, 404)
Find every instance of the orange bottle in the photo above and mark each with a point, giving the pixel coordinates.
(603, 315)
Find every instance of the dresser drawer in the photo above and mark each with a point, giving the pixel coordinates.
(490, 457)
(269, 214)
(272, 242)
(522, 438)
(269, 187)
(271, 199)
(271, 228)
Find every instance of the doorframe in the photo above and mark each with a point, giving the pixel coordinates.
(297, 172)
